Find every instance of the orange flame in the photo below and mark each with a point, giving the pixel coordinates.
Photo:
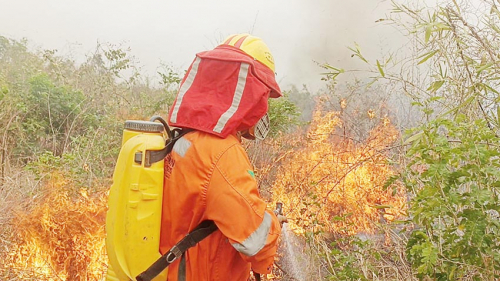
(61, 238)
(336, 185)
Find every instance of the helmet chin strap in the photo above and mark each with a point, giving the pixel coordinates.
(258, 131)
(247, 135)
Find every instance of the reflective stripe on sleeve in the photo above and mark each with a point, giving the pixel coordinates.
(184, 88)
(257, 240)
(238, 93)
(181, 146)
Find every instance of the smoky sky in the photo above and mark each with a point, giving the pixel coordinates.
(299, 33)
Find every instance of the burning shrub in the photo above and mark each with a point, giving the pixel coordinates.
(60, 237)
(334, 184)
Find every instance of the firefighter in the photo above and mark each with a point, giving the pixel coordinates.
(208, 176)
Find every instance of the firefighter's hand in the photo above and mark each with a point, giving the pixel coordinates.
(282, 219)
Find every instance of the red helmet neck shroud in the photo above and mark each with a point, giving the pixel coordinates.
(224, 91)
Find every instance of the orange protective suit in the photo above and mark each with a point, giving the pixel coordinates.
(209, 178)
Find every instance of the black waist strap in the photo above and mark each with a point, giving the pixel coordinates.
(199, 233)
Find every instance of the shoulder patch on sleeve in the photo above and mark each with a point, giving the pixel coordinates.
(252, 174)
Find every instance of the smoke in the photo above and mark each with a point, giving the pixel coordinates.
(299, 33)
(321, 32)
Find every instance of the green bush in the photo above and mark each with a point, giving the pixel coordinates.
(283, 114)
(51, 115)
(455, 176)
(61, 115)
(451, 168)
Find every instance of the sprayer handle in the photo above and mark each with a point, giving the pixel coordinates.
(279, 208)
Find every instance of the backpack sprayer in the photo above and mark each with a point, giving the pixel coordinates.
(133, 219)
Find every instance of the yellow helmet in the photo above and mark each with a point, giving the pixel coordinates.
(253, 46)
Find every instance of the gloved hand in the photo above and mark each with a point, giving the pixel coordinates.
(279, 213)
(282, 219)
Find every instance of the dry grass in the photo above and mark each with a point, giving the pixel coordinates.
(17, 191)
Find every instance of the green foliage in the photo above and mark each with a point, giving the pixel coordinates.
(283, 114)
(456, 203)
(169, 77)
(453, 172)
(58, 115)
(51, 114)
(154, 101)
(332, 72)
(48, 163)
(363, 257)
(118, 60)
(453, 161)
(423, 254)
(345, 253)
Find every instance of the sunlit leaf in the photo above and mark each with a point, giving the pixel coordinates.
(498, 115)
(436, 98)
(436, 85)
(460, 106)
(390, 181)
(427, 56)
(372, 82)
(489, 88)
(357, 52)
(333, 68)
(413, 138)
(428, 32)
(484, 67)
(382, 206)
(380, 69)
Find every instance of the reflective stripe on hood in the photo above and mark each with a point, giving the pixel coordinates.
(238, 93)
(184, 88)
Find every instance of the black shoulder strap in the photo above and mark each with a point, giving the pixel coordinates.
(199, 233)
(158, 155)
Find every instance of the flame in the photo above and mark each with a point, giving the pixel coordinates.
(334, 184)
(60, 238)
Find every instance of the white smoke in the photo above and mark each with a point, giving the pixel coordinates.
(298, 32)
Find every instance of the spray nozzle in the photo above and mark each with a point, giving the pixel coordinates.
(279, 208)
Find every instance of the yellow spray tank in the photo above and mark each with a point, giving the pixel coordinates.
(133, 219)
